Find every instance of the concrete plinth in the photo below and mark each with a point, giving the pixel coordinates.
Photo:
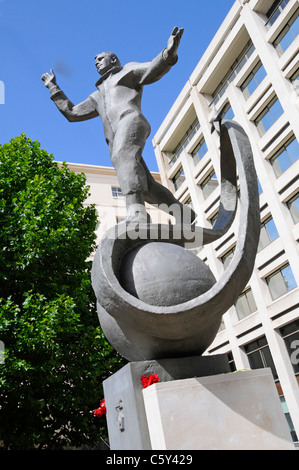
(233, 411)
(126, 417)
(198, 404)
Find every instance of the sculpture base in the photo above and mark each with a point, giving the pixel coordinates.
(198, 404)
(237, 411)
(126, 416)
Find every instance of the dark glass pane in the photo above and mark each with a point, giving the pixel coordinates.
(268, 361)
(255, 360)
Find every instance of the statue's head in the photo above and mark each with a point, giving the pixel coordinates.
(106, 61)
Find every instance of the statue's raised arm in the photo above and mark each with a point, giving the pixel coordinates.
(80, 112)
(49, 79)
(173, 44)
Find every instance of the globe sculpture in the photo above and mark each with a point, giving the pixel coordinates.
(155, 298)
(156, 274)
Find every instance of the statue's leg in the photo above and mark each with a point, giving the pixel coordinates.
(128, 144)
(159, 195)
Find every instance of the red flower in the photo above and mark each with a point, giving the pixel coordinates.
(99, 412)
(147, 381)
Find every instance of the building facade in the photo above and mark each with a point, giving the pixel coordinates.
(248, 73)
(105, 194)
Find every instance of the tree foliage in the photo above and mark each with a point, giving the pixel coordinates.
(56, 355)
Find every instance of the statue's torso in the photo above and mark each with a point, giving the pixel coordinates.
(117, 96)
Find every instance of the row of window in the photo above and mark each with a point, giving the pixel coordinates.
(273, 110)
(285, 156)
(184, 141)
(287, 35)
(208, 185)
(275, 11)
(268, 228)
(210, 182)
(279, 283)
(259, 356)
(233, 72)
(281, 44)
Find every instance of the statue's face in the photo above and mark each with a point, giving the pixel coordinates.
(104, 62)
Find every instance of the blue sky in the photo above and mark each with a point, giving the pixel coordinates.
(37, 35)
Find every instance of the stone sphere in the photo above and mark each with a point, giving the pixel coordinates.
(164, 274)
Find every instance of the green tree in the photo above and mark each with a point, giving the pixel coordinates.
(56, 355)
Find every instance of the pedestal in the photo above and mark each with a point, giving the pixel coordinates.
(198, 404)
(126, 417)
(236, 411)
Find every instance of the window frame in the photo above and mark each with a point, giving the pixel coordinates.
(202, 145)
(260, 125)
(228, 255)
(282, 279)
(205, 184)
(275, 12)
(283, 150)
(178, 178)
(294, 215)
(251, 308)
(252, 78)
(261, 348)
(268, 234)
(116, 191)
(283, 34)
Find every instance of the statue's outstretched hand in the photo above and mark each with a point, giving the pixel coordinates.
(49, 79)
(174, 41)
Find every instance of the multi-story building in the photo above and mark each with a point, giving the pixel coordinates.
(248, 73)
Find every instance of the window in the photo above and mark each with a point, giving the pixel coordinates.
(226, 259)
(287, 35)
(184, 141)
(259, 355)
(178, 179)
(268, 233)
(209, 184)
(285, 157)
(199, 151)
(228, 112)
(293, 205)
(245, 304)
(116, 192)
(233, 71)
(231, 361)
(213, 219)
(253, 80)
(275, 11)
(295, 81)
(281, 281)
(290, 334)
(269, 116)
(260, 189)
